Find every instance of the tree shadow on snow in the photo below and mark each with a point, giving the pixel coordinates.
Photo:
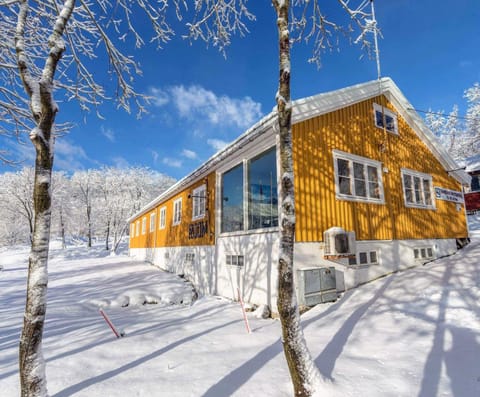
(110, 374)
(327, 358)
(235, 379)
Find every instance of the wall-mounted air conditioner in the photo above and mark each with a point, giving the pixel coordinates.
(338, 243)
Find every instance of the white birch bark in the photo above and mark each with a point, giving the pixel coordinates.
(44, 109)
(304, 374)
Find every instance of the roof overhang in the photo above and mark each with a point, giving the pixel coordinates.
(317, 105)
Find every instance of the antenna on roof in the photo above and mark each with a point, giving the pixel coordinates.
(373, 27)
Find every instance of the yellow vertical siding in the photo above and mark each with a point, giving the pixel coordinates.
(178, 235)
(352, 130)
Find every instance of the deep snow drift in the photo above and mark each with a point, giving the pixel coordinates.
(415, 333)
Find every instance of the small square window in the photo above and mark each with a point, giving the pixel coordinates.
(430, 252)
(373, 257)
(352, 261)
(240, 260)
(229, 259)
(416, 253)
(385, 118)
(363, 258)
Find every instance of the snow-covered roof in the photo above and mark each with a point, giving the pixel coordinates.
(305, 108)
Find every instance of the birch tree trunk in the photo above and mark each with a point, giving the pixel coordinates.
(44, 110)
(302, 368)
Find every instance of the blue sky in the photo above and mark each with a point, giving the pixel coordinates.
(202, 100)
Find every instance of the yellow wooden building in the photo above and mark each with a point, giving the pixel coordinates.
(374, 191)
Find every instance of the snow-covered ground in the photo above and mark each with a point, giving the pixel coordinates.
(415, 333)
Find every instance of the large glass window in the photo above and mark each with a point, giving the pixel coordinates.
(262, 191)
(417, 189)
(357, 178)
(232, 199)
(250, 192)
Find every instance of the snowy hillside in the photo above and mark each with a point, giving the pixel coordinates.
(415, 333)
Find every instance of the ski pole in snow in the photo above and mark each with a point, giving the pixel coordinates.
(112, 327)
(243, 311)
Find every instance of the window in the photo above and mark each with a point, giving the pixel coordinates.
(235, 260)
(132, 230)
(364, 258)
(475, 184)
(152, 222)
(423, 253)
(163, 218)
(144, 225)
(138, 228)
(262, 191)
(357, 178)
(177, 211)
(232, 200)
(199, 202)
(189, 257)
(385, 118)
(417, 189)
(249, 197)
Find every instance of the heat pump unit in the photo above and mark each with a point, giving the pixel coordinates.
(338, 243)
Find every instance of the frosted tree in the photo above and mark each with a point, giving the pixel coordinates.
(35, 67)
(62, 205)
(473, 117)
(309, 22)
(119, 193)
(459, 135)
(16, 195)
(449, 131)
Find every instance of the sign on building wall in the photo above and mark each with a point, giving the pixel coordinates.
(197, 230)
(448, 195)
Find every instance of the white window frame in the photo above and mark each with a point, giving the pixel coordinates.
(138, 228)
(152, 222)
(132, 229)
(421, 253)
(199, 201)
(352, 158)
(368, 255)
(163, 218)
(387, 112)
(144, 225)
(423, 177)
(177, 212)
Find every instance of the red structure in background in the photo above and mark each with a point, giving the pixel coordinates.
(472, 197)
(472, 202)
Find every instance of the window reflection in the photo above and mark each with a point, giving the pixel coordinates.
(262, 191)
(232, 199)
(260, 194)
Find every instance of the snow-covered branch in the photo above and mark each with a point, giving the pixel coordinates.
(310, 23)
(215, 21)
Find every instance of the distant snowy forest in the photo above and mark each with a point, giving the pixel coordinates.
(459, 134)
(87, 205)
